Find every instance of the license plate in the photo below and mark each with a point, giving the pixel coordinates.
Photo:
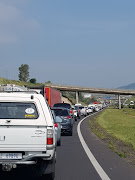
(10, 155)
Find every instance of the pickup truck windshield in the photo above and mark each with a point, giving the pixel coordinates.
(18, 110)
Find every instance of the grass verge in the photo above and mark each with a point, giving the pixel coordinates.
(117, 130)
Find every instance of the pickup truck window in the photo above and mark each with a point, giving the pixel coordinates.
(18, 110)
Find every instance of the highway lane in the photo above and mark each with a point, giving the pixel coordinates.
(73, 163)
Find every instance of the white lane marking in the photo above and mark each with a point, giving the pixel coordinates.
(93, 160)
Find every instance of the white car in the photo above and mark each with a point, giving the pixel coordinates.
(75, 112)
(94, 107)
(100, 106)
(90, 109)
(86, 109)
(83, 111)
(27, 134)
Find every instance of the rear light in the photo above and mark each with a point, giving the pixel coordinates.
(49, 141)
(56, 125)
(75, 111)
(70, 111)
(49, 137)
(69, 117)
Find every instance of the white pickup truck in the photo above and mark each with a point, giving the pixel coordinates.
(27, 134)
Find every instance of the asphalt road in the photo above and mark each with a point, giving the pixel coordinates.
(74, 164)
(72, 161)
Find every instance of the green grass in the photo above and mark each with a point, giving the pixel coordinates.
(129, 111)
(95, 130)
(123, 155)
(119, 124)
(19, 83)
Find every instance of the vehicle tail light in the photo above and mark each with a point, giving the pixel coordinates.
(69, 117)
(75, 111)
(56, 125)
(70, 111)
(49, 137)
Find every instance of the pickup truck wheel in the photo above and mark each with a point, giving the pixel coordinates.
(51, 174)
(59, 143)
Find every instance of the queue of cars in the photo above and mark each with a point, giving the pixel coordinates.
(30, 131)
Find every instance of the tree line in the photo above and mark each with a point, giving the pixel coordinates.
(24, 74)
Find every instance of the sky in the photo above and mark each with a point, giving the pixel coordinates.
(88, 43)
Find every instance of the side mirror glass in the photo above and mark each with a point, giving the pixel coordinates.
(58, 119)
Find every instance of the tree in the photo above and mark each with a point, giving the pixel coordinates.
(24, 72)
(33, 80)
(48, 82)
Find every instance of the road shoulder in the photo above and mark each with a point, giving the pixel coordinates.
(113, 165)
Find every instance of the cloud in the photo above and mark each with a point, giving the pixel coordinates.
(14, 22)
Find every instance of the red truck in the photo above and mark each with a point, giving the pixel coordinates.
(51, 95)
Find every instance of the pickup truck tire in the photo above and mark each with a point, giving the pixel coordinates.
(49, 171)
(59, 143)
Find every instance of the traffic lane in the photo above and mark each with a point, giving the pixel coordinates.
(72, 162)
(115, 167)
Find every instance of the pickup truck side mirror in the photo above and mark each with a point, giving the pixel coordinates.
(58, 119)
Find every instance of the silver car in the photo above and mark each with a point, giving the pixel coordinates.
(57, 123)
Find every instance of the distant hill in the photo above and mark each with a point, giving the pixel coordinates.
(129, 86)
